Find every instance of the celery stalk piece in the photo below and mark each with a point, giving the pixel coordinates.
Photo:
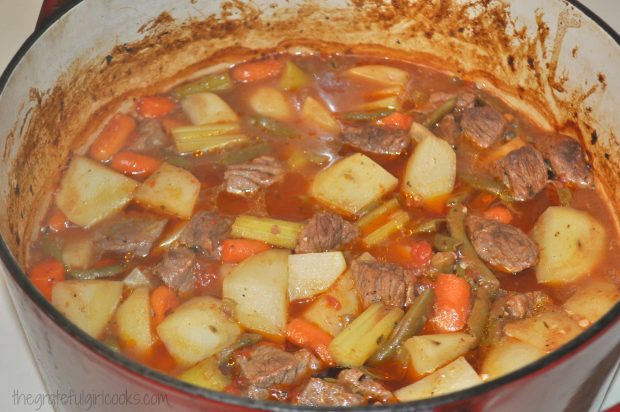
(207, 137)
(395, 223)
(386, 207)
(361, 338)
(293, 77)
(273, 231)
(218, 82)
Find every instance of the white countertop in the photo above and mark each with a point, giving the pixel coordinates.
(17, 368)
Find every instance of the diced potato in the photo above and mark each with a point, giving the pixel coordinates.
(259, 287)
(89, 192)
(205, 108)
(509, 355)
(206, 374)
(361, 338)
(136, 278)
(171, 190)
(352, 184)
(380, 74)
(593, 301)
(330, 309)
(418, 132)
(271, 102)
(78, 254)
(196, 330)
(453, 377)
(546, 331)
(390, 102)
(293, 77)
(312, 273)
(431, 169)
(90, 304)
(570, 242)
(133, 320)
(429, 352)
(317, 114)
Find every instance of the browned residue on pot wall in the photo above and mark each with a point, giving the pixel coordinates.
(478, 41)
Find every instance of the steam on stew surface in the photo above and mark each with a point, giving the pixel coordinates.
(328, 230)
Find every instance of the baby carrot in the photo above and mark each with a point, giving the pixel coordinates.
(134, 163)
(254, 71)
(499, 213)
(396, 120)
(57, 221)
(236, 250)
(452, 300)
(45, 273)
(307, 335)
(152, 107)
(163, 301)
(113, 137)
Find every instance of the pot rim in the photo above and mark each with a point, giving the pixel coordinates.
(170, 382)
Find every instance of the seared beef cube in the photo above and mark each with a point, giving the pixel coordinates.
(525, 305)
(357, 382)
(567, 160)
(504, 247)
(483, 125)
(267, 366)
(205, 231)
(319, 392)
(325, 231)
(383, 282)
(129, 234)
(449, 130)
(377, 140)
(248, 178)
(523, 171)
(151, 134)
(176, 269)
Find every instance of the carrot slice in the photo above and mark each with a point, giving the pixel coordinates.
(396, 120)
(452, 300)
(113, 137)
(153, 107)
(307, 335)
(499, 213)
(254, 71)
(45, 273)
(163, 301)
(135, 164)
(236, 250)
(421, 254)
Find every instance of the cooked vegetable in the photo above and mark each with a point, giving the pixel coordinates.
(439, 113)
(245, 154)
(270, 102)
(306, 335)
(96, 272)
(509, 355)
(273, 231)
(366, 116)
(312, 273)
(255, 71)
(445, 243)
(131, 163)
(293, 77)
(163, 301)
(593, 301)
(431, 170)
(487, 185)
(352, 184)
(113, 137)
(57, 221)
(391, 102)
(208, 137)
(90, 192)
(428, 226)
(196, 330)
(570, 242)
(546, 331)
(394, 224)
(89, 304)
(315, 113)
(208, 108)
(259, 288)
(170, 190)
(453, 377)
(217, 82)
(452, 300)
(396, 120)
(479, 314)
(237, 250)
(499, 213)
(133, 322)
(384, 75)
(78, 254)
(409, 325)
(45, 274)
(206, 374)
(429, 352)
(384, 208)
(271, 126)
(361, 338)
(152, 107)
(136, 278)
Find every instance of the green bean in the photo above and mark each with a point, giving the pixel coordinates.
(271, 126)
(436, 115)
(487, 185)
(427, 226)
(225, 355)
(479, 316)
(96, 273)
(445, 243)
(367, 116)
(410, 324)
(181, 161)
(211, 83)
(456, 226)
(245, 154)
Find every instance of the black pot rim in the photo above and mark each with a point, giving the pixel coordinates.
(100, 349)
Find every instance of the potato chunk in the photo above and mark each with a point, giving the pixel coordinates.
(171, 190)
(90, 304)
(431, 169)
(133, 320)
(571, 243)
(89, 192)
(206, 374)
(318, 115)
(205, 108)
(429, 352)
(593, 301)
(259, 287)
(379, 74)
(271, 102)
(352, 184)
(546, 331)
(509, 355)
(196, 330)
(312, 273)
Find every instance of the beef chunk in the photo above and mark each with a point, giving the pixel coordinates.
(464, 100)
(383, 282)
(325, 231)
(319, 392)
(267, 366)
(483, 125)
(357, 382)
(567, 160)
(504, 247)
(377, 140)
(248, 178)
(176, 269)
(449, 130)
(523, 171)
(205, 231)
(129, 234)
(525, 305)
(151, 134)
